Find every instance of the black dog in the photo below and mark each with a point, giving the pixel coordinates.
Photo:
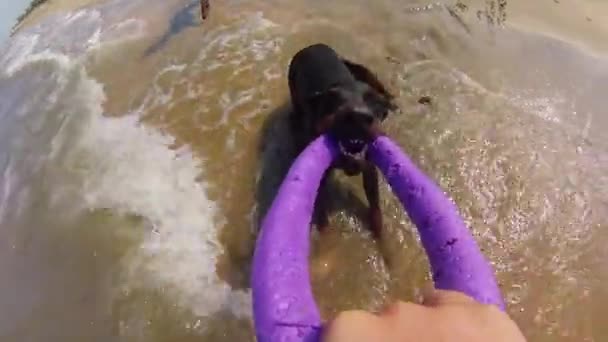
(332, 95)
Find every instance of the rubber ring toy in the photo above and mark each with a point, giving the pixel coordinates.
(283, 303)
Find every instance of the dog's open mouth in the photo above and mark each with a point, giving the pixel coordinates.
(354, 148)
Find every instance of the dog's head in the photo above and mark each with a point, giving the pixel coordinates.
(352, 113)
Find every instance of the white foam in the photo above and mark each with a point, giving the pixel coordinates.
(242, 41)
(76, 33)
(134, 171)
(17, 64)
(15, 51)
(129, 168)
(543, 107)
(6, 185)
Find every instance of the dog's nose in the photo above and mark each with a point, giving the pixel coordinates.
(362, 116)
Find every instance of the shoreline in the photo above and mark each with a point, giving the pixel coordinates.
(35, 4)
(583, 25)
(45, 8)
(30, 8)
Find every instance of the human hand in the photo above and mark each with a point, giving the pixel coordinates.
(444, 316)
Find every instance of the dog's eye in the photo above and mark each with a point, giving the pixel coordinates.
(379, 104)
(325, 103)
(315, 102)
(332, 102)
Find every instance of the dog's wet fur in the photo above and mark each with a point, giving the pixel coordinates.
(332, 95)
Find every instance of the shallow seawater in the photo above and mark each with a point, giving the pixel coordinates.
(139, 149)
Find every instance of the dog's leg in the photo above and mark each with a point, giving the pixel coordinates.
(300, 138)
(321, 210)
(370, 184)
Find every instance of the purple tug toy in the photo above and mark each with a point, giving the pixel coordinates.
(283, 303)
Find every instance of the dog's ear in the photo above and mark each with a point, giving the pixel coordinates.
(380, 105)
(363, 74)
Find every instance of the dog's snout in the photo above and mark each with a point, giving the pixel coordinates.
(360, 115)
(363, 117)
(367, 119)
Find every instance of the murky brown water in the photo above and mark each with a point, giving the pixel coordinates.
(136, 168)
